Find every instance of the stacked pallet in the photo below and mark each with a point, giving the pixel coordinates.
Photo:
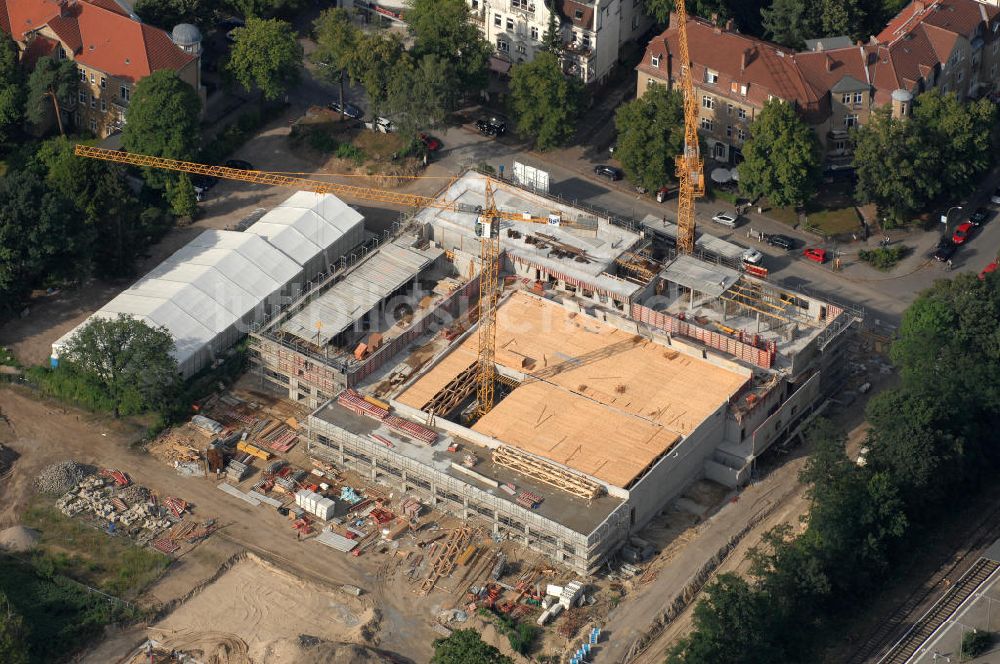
(528, 499)
(418, 431)
(236, 471)
(177, 506)
(353, 400)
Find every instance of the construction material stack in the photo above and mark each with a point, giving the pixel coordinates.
(315, 504)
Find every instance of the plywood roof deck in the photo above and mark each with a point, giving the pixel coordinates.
(597, 399)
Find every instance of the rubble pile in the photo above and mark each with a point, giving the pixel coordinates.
(134, 494)
(96, 496)
(61, 477)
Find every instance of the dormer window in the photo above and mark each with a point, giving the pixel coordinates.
(711, 77)
(655, 61)
(578, 14)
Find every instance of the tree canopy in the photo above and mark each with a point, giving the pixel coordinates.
(781, 157)
(336, 46)
(544, 102)
(377, 57)
(51, 86)
(13, 644)
(162, 120)
(465, 646)
(904, 164)
(128, 359)
(266, 55)
(443, 28)
(650, 134)
(12, 90)
(417, 93)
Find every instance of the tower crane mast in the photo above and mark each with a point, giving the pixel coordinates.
(690, 166)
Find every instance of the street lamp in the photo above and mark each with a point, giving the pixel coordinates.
(946, 215)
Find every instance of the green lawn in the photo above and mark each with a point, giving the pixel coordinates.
(72, 548)
(786, 215)
(834, 221)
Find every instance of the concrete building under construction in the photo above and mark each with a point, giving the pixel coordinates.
(625, 372)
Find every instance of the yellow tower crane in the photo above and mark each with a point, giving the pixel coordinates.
(487, 230)
(690, 165)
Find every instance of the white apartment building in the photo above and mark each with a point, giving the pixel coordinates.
(593, 31)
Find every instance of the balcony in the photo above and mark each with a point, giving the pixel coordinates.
(582, 50)
(479, 18)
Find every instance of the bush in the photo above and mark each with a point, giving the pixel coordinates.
(351, 153)
(72, 386)
(883, 258)
(976, 643)
(320, 141)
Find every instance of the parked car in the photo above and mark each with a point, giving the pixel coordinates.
(815, 254)
(992, 267)
(752, 257)
(980, 216)
(350, 110)
(781, 242)
(491, 127)
(995, 198)
(945, 249)
(665, 192)
(726, 219)
(240, 164)
(380, 124)
(962, 233)
(432, 143)
(610, 172)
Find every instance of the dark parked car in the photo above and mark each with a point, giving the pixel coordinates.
(609, 172)
(350, 110)
(491, 127)
(240, 164)
(945, 249)
(781, 242)
(979, 217)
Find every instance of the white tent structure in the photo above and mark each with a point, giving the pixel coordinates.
(209, 292)
(314, 230)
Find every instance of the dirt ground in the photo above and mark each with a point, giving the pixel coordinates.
(42, 433)
(252, 606)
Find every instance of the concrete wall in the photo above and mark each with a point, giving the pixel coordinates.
(777, 424)
(681, 466)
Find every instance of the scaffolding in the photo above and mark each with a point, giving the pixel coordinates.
(546, 472)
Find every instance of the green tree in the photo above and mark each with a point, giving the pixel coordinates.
(266, 55)
(444, 29)
(650, 134)
(181, 196)
(976, 643)
(12, 91)
(894, 171)
(790, 22)
(129, 359)
(266, 8)
(40, 235)
(13, 635)
(378, 56)
(959, 134)
(166, 14)
(336, 46)
(52, 83)
(733, 624)
(416, 94)
(465, 646)
(552, 38)
(162, 120)
(113, 232)
(781, 157)
(544, 102)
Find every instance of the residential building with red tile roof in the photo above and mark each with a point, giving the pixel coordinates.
(952, 45)
(593, 31)
(112, 50)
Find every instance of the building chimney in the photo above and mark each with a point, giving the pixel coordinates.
(829, 63)
(716, 28)
(673, 20)
(729, 25)
(745, 59)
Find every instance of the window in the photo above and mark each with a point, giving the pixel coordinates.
(743, 89)
(960, 75)
(720, 151)
(521, 49)
(859, 98)
(741, 134)
(845, 98)
(707, 124)
(534, 33)
(840, 146)
(104, 83)
(83, 97)
(655, 61)
(503, 46)
(578, 14)
(93, 125)
(585, 41)
(510, 25)
(123, 92)
(729, 131)
(62, 53)
(711, 76)
(650, 82)
(475, 4)
(497, 20)
(850, 121)
(104, 106)
(729, 109)
(91, 77)
(93, 101)
(83, 75)
(741, 114)
(708, 102)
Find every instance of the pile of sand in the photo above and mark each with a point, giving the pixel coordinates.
(18, 538)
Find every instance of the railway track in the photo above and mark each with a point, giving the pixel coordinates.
(922, 630)
(889, 631)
